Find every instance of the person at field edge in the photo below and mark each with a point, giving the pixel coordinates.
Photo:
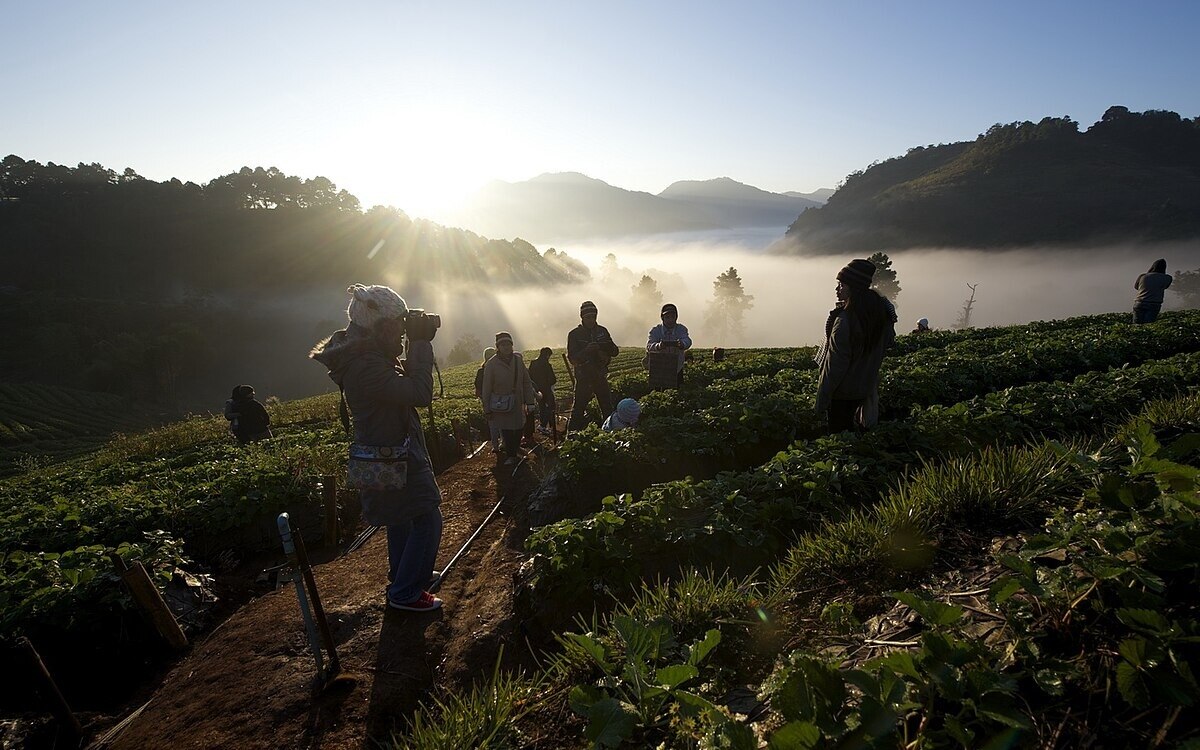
(624, 417)
(544, 379)
(667, 344)
(248, 418)
(493, 431)
(589, 349)
(1150, 287)
(922, 326)
(507, 395)
(382, 394)
(857, 332)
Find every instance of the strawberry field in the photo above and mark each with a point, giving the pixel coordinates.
(740, 578)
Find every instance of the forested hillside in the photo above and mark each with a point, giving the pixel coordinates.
(1130, 176)
(171, 293)
(88, 230)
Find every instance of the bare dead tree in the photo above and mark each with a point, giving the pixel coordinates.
(964, 317)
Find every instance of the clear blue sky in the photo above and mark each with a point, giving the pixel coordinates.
(413, 103)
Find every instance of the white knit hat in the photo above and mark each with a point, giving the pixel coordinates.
(370, 304)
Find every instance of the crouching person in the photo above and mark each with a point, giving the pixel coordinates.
(381, 394)
(625, 417)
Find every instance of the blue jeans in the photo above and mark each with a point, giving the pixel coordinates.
(1146, 313)
(412, 552)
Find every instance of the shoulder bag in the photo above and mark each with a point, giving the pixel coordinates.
(501, 403)
(376, 467)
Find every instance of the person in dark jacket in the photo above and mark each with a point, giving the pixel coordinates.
(544, 379)
(1150, 287)
(857, 333)
(382, 395)
(589, 349)
(248, 418)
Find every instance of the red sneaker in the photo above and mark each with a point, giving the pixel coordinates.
(426, 602)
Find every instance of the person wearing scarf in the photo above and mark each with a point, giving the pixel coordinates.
(857, 332)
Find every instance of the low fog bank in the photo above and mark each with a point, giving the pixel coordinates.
(792, 297)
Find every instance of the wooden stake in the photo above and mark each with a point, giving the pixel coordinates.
(329, 492)
(314, 598)
(146, 594)
(58, 704)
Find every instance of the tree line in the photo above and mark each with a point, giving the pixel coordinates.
(90, 230)
(1130, 176)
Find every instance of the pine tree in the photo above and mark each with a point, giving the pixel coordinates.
(885, 277)
(729, 305)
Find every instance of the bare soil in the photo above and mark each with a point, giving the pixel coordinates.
(249, 684)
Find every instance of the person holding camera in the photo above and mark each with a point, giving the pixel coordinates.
(589, 349)
(666, 350)
(382, 394)
(507, 395)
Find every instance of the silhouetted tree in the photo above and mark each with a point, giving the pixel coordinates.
(466, 349)
(1186, 284)
(885, 281)
(964, 317)
(726, 312)
(646, 299)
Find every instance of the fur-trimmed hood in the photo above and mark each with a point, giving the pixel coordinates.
(344, 346)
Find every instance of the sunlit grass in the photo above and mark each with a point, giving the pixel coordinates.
(995, 488)
(486, 716)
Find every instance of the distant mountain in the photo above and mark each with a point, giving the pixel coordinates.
(734, 204)
(1130, 176)
(570, 205)
(819, 195)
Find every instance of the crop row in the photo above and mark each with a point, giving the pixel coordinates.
(750, 516)
(733, 424)
(1091, 645)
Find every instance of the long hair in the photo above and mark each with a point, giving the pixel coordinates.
(868, 314)
(1158, 266)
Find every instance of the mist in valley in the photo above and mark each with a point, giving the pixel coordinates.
(792, 296)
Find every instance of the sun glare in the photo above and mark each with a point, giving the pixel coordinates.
(425, 159)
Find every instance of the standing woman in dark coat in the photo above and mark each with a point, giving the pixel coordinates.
(382, 395)
(1150, 287)
(857, 333)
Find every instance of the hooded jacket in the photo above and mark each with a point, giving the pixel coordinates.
(849, 371)
(382, 396)
(1150, 288)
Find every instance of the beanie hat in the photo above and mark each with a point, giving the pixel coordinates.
(857, 272)
(371, 304)
(503, 336)
(629, 411)
(243, 391)
(669, 308)
(489, 353)
(923, 322)
(587, 308)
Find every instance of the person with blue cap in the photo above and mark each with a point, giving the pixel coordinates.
(626, 416)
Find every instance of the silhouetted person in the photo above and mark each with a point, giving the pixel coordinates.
(857, 332)
(382, 395)
(508, 394)
(248, 418)
(922, 326)
(544, 379)
(590, 348)
(667, 344)
(1150, 287)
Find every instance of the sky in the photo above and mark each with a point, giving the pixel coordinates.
(417, 103)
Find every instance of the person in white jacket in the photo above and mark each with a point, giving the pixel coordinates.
(666, 349)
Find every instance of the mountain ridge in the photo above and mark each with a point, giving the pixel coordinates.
(554, 206)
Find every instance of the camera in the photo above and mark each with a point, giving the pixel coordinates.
(422, 325)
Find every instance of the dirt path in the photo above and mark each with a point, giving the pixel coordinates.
(248, 684)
